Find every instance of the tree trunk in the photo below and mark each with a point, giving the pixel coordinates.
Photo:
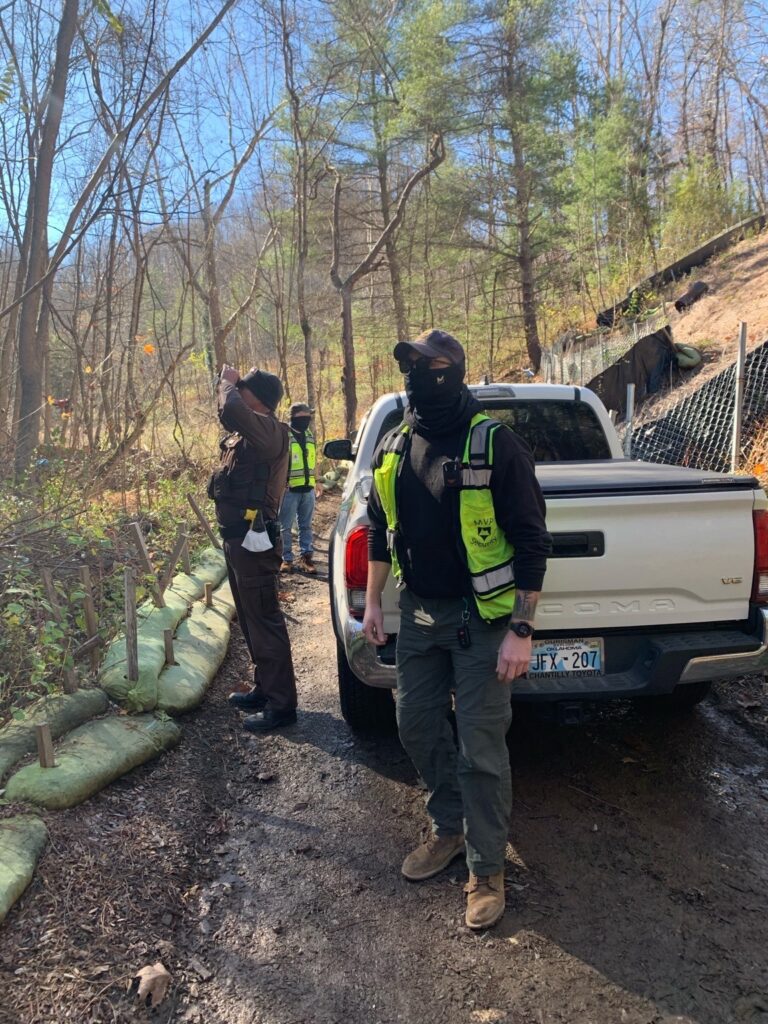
(525, 256)
(218, 340)
(345, 286)
(393, 260)
(348, 379)
(8, 393)
(301, 197)
(30, 357)
(306, 328)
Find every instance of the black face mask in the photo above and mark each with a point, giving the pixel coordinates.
(431, 391)
(300, 423)
(439, 399)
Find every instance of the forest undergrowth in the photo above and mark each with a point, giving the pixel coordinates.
(68, 515)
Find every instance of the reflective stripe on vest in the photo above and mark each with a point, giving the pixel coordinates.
(386, 485)
(487, 552)
(301, 471)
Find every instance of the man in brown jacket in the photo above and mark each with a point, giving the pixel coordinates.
(247, 488)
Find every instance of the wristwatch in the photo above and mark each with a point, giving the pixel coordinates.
(521, 629)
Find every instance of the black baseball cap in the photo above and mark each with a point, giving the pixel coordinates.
(433, 345)
(300, 409)
(265, 386)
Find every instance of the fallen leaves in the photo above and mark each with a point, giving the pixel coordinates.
(153, 981)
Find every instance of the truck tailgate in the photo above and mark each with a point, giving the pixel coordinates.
(640, 545)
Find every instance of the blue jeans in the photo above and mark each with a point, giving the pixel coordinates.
(297, 505)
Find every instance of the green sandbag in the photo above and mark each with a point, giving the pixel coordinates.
(21, 842)
(91, 757)
(199, 648)
(141, 695)
(63, 712)
(687, 356)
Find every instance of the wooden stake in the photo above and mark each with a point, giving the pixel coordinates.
(204, 522)
(131, 627)
(50, 593)
(168, 643)
(44, 745)
(91, 622)
(70, 680)
(208, 595)
(738, 397)
(186, 561)
(146, 562)
(178, 546)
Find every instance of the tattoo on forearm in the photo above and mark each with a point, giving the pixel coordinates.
(525, 605)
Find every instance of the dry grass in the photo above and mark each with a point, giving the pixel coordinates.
(757, 461)
(738, 290)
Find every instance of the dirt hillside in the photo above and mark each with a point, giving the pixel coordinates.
(738, 290)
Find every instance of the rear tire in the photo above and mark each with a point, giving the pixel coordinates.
(366, 709)
(682, 699)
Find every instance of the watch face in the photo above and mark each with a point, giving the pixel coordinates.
(522, 629)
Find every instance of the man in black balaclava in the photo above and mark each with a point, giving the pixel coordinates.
(247, 488)
(298, 503)
(457, 515)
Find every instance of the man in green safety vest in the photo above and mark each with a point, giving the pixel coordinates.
(458, 517)
(299, 499)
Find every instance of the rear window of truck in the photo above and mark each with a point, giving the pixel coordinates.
(554, 431)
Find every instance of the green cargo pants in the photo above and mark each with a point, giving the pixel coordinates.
(470, 789)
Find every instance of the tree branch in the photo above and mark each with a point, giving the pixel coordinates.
(63, 247)
(436, 154)
(227, 328)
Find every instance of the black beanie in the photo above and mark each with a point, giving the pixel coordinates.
(265, 386)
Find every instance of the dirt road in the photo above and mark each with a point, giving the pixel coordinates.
(264, 873)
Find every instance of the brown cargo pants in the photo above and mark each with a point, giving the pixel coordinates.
(253, 579)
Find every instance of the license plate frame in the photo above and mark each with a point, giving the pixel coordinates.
(569, 658)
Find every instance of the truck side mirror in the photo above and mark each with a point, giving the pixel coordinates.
(340, 450)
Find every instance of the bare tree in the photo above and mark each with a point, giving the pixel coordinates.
(31, 351)
(345, 285)
(39, 268)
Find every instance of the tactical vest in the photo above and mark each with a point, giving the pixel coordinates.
(301, 470)
(485, 550)
(241, 479)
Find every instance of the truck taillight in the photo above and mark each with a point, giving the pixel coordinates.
(760, 580)
(356, 569)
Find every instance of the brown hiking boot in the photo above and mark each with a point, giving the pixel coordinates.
(307, 564)
(485, 900)
(286, 567)
(431, 857)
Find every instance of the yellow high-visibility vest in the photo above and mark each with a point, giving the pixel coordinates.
(301, 465)
(487, 552)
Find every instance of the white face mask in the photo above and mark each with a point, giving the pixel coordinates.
(257, 540)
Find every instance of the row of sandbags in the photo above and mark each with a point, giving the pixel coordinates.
(99, 742)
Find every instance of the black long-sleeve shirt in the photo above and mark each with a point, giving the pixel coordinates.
(432, 563)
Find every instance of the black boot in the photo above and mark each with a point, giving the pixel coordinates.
(269, 719)
(253, 700)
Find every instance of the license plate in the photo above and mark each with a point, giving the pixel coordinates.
(557, 659)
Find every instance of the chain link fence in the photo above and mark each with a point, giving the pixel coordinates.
(696, 429)
(578, 359)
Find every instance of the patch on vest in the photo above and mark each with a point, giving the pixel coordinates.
(484, 530)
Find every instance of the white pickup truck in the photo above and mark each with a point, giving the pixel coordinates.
(657, 583)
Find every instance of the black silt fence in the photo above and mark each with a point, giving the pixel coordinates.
(697, 432)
